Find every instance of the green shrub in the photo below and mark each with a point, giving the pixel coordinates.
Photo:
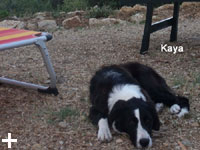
(72, 5)
(29, 7)
(100, 12)
(56, 3)
(100, 3)
(3, 14)
(24, 7)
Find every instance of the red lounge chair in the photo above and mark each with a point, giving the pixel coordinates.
(12, 38)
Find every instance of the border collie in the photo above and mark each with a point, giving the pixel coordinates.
(127, 98)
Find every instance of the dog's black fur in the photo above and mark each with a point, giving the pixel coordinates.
(153, 87)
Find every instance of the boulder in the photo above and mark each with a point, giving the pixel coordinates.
(47, 25)
(12, 24)
(137, 18)
(75, 13)
(21, 25)
(31, 26)
(104, 22)
(125, 12)
(72, 22)
(42, 15)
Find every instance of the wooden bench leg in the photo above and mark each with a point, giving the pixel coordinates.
(174, 30)
(147, 29)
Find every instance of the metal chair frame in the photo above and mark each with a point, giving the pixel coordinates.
(40, 43)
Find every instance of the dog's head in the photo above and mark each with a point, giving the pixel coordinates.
(136, 118)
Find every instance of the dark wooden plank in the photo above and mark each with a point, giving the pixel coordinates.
(162, 24)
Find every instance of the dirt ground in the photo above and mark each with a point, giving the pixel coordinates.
(47, 122)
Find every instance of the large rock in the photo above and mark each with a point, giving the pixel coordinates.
(72, 22)
(104, 22)
(75, 13)
(31, 26)
(42, 15)
(63, 16)
(12, 24)
(137, 18)
(125, 12)
(47, 25)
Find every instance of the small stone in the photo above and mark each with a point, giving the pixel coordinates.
(62, 124)
(36, 147)
(176, 86)
(61, 142)
(195, 124)
(165, 144)
(119, 141)
(187, 143)
(186, 93)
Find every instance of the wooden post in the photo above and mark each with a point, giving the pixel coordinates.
(174, 30)
(147, 29)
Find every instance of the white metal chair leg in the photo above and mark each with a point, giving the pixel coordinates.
(43, 49)
(44, 89)
(28, 38)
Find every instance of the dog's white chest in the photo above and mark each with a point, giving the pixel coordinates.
(124, 92)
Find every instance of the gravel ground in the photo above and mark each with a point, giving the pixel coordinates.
(46, 122)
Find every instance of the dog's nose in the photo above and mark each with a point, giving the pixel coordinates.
(144, 142)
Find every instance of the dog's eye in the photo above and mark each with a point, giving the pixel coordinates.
(147, 121)
(133, 121)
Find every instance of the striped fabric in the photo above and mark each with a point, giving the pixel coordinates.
(14, 35)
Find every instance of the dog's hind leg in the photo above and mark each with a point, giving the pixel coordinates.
(182, 107)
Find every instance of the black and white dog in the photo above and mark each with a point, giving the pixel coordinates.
(127, 98)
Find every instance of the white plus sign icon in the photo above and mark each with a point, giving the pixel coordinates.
(9, 140)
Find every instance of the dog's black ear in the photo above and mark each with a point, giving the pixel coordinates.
(117, 110)
(156, 121)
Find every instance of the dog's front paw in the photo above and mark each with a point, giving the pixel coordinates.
(159, 106)
(104, 133)
(175, 109)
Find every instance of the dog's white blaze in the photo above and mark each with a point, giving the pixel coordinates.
(104, 131)
(124, 92)
(141, 132)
